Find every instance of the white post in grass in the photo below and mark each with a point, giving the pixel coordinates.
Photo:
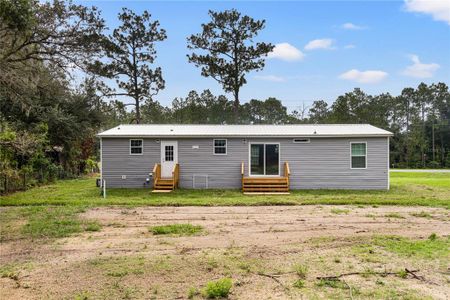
(104, 188)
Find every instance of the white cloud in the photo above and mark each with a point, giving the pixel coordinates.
(351, 26)
(370, 76)
(420, 70)
(438, 9)
(286, 52)
(320, 44)
(272, 78)
(349, 46)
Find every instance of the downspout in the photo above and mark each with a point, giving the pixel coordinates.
(388, 165)
(101, 162)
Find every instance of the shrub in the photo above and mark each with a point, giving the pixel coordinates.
(218, 289)
(433, 164)
(91, 166)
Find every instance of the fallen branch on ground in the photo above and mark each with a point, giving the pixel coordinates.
(412, 272)
(275, 278)
(336, 277)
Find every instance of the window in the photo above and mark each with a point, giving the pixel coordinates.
(359, 155)
(301, 141)
(168, 153)
(136, 147)
(220, 147)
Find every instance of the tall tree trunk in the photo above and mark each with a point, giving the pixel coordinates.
(135, 84)
(138, 111)
(236, 106)
(422, 147)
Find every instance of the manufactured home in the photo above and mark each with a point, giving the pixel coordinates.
(254, 158)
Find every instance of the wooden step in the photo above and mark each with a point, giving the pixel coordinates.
(162, 186)
(161, 191)
(249, 186)
(265, 185)
(267, 193)
(264, 178)
(265, 188)
(265, 181)
(164, 181)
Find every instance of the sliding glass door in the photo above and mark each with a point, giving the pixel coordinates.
(265, 159)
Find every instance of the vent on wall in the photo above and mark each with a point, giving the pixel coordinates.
(200, 181)
(301, 141)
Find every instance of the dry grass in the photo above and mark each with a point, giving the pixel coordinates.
(128, 262)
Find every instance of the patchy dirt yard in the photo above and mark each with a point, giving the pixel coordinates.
(269, 252)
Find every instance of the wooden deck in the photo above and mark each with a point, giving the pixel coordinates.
(278, 184)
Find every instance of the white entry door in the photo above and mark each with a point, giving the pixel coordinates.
(169, 157)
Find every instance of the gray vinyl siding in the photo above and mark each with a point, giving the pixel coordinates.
(324, 163)
(223, 170)
(117, 161)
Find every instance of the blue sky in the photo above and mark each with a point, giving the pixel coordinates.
(325, 48)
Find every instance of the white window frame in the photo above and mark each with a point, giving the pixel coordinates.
(351, 167)
(307, 140)
(214, 147)
(142, 146)
(264, 161)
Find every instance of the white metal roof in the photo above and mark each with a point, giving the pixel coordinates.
(184, 130)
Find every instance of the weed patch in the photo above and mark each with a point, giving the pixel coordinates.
(422, 214)
(339, 211)
(93, 226)
(299, 284)
(402, 274)
(301, 271)
(56, 222)
(84, 295)
(120, 266)
(43, 222)
(431, 248)
(176, 229)
(217, 289)
(394, 215)
(192, 292)
(332, 283)
(13, 270)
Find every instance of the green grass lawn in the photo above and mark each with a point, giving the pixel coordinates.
(427, 189)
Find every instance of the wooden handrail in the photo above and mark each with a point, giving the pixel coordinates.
(242, 175)
(287, 171)
(175, 176)
(156, 173)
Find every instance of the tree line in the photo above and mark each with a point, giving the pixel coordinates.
(48, 123)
